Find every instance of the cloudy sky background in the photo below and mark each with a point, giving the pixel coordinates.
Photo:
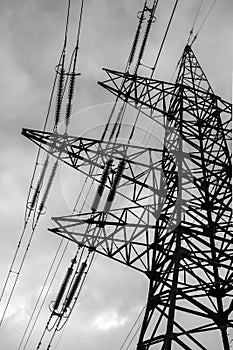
(31, 36)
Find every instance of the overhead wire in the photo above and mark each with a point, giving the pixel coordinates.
(127, 68)
(81, 286)
(42, 291)
(139, 111)
(192, 38)
(155, 65)
(73, 74)
(51, 98)
(132, 328)
(58, 325)
(164, 38)
(74, 55)
(141, 52)
(116, 126)
(203, 22)
(93, 258)
(194, 21)
(163, 43)
(29, 209)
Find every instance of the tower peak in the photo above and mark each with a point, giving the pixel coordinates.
(191, 73)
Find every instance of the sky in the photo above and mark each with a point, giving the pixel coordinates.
(31, 38)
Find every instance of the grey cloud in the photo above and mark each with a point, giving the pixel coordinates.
(31, 40)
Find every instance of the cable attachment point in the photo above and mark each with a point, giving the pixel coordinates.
(140, 15)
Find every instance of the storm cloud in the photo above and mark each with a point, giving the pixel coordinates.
(31, 38)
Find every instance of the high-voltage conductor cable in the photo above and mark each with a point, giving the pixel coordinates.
(78, 284)
(60, 63)
(73, 73)
(192, 38)
(61, 86)
(14, 269)
(164, 38)
(127, 68)
(132, 329)
(55, 305)
(155, 64)
(72, 295)
(61, 74)
(203, 22)
(151, 19)
(194, 21)
(41, 207)
(45, 195)
(45, 284)
(141, 52)
(73, 261)
(94, 256)
(50, 283)
(146, 35)
(117, 125)
(31, 204)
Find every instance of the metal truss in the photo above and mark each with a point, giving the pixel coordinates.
(164, 212)
(123, 228)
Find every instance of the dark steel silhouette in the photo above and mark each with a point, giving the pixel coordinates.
(174, 220)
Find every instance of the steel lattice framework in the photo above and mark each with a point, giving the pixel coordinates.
(167, 211)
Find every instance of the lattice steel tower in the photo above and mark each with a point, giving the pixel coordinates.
(165, 212)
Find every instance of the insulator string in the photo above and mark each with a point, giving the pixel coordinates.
(146, 35)
(101, 186)
(60, 89)
(62, 57)
(136, 38)
(62, 288)
(40, 182)
(155, 64)
(48, 187)
(127, 67)
(65, 282)
(75, 283)
(70, 98)
(73, 74)
(57, 119)
(58, 327)
(29, 209)
(116, 180)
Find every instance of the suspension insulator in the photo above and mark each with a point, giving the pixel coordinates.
(31, 204)
(112, 192)
(144, 40)
(147, 31)
(136, 38)
(49, 184)
(103, 181)
(70, 98)
(117, 124)
(60, 89)
(75, 285)
(63, 288)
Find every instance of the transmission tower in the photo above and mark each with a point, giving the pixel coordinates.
(164, 212)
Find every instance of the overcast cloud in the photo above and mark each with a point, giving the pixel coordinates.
(31, 37)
